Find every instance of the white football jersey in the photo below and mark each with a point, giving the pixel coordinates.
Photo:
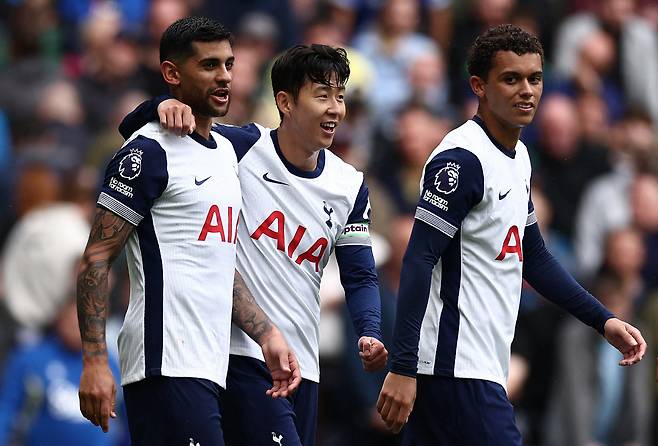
(478, 193)
(289, 225)
(183, 196)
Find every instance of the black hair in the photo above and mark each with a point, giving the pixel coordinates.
(500, 38)
(316, 63)
(176, 41)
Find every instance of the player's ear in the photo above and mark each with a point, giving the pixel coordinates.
(477, 85)
(170, 73)
(284, 102)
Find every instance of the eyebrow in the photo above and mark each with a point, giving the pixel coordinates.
(323, 87)
(216, 60)
(516, 73)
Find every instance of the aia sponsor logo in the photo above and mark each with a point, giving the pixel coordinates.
(274, 228)
(222, 222)
(511, 245)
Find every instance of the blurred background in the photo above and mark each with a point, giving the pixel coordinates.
(71, 69)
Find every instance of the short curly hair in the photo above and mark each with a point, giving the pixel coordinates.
(500, 38)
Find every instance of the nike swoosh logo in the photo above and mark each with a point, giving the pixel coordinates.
(270, 180)
(501, 196)
(199, 183)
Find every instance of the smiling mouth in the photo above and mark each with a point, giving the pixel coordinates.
(221, 94)
(329, 126)
(525, 106)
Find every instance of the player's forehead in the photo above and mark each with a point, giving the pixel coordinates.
(510, 62)
(216, 49)
(327, 81)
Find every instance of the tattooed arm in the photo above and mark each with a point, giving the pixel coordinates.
(247, 314)
(108, 235)
(280, 359)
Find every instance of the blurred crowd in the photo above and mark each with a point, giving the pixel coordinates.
(70, 70)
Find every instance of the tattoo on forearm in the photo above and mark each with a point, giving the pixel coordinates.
(108, 235)
(246, 313)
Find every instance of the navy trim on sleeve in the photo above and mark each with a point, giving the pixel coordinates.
(359, 278)
(361, 209)
(145, 112)
(134, 178)
(453, 184)
(426, 246)
(242, 138)
(552, 281)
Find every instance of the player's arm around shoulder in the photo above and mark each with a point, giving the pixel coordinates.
(279, 357)
(97, 393)
(176, 117)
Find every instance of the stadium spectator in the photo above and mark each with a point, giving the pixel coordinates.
(161, 14)
(39, 391)
(398, 165)
(644, 211)
(605, 203)
(109, 66)
(636, 52)
(594, 401)
(392, 45)
(564, 163)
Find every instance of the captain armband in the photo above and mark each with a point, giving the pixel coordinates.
(354, 234)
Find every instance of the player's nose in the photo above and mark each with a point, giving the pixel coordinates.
(336, 108)
(525, 88)
(223, 76)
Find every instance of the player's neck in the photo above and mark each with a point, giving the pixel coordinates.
(203, 125)
(502, 133)
(293, 149)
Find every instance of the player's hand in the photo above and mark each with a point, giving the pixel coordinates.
(396, 400)
(281, 388)
(627, 339)
(373, 354)
(97, 393)
(176, 117)
(283, 365)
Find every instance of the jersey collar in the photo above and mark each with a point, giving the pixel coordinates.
(209, 143)
(507, 152)
(295, 170)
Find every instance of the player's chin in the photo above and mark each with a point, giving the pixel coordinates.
(221, 111)
(324, 141)
(523, 119)
(218, 109)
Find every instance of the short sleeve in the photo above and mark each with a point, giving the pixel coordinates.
(453, 184)
(135, 177)
(357, 228)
